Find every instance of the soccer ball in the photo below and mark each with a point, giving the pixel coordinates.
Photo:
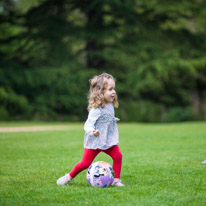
(100, 174)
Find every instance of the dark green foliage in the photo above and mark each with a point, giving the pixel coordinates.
(51, 93)
(12, 105)
(155, 50)
(179, 114)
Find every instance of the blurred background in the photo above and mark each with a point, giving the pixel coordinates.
(155, 49)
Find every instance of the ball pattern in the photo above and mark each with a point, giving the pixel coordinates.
(100, 174)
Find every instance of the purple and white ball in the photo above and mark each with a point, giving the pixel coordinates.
(100, 174)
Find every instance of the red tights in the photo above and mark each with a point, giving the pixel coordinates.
(89, 155)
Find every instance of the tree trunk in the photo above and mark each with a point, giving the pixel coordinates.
(94, 45)
(196, 102)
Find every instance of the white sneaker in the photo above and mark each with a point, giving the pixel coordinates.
(117, 183)
(64, 180)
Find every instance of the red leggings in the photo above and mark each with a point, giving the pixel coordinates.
(89, 155)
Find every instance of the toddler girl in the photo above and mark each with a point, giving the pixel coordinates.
(101, 133)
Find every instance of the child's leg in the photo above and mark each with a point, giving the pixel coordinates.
(88, 157)
(115, 153)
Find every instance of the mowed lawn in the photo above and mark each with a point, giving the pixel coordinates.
(162, 165)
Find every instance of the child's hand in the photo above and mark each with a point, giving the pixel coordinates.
(96, 133)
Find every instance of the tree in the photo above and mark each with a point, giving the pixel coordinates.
(155, 50)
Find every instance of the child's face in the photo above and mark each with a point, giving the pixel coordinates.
(110, 93)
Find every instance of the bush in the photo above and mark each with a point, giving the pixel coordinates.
(179, 114)
(4, 115)
(46, 93)
(12, 104)
(140, 111)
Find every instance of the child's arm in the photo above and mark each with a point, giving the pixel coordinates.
(89, 125)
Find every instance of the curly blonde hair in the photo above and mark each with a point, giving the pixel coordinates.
(98, 85)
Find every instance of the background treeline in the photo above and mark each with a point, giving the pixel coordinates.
(155, 49)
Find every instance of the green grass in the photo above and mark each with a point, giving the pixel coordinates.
(161, 166)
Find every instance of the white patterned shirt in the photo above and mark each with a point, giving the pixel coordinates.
(102, 119)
